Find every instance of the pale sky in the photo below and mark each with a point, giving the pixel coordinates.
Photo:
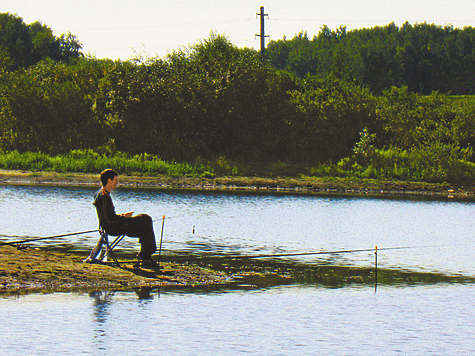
(122, 29)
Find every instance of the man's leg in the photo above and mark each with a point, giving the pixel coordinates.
(141, 226)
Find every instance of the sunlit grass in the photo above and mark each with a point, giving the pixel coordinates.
(433, 164)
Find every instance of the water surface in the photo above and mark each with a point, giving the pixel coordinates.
(277, 321)
(438, 232)
(303, 318)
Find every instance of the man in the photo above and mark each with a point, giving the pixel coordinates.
(140, 226)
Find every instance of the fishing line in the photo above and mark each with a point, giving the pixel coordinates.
(19, 242)
(296, 254)
(169, 217)
(224, 256)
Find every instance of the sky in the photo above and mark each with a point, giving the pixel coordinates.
(125, 29)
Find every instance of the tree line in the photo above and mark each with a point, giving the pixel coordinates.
(22, 45)
(424, 57)
(214, 100)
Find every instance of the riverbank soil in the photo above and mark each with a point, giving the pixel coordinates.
(34, 269)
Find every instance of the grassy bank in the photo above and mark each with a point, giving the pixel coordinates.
(432, 164)
(81, 167)
(90, 161)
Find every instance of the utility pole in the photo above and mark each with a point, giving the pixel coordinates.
(262, 35)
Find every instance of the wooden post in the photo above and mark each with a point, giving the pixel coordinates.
(262, 34)
(263, 39)
(161, 238)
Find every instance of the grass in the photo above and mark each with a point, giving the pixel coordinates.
(432, 164)
(89, 161)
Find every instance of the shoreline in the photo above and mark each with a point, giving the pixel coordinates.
(32, 269)
(304, 185)
(42, 270)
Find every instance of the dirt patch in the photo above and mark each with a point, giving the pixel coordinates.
(33, 269)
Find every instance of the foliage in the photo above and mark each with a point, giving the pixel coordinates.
(210, 100)
(213, 109)
(435, 162)
(49, 107)
(23, 45)
(329, 111)
(424, 57)
(91, 161)
(406, 119)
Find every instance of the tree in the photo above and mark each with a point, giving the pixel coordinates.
(424, 57)
(49, 107)
(331, 115)
(15, 41)
(66, 48)
(23, 45)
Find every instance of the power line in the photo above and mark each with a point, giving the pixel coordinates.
(163, 25)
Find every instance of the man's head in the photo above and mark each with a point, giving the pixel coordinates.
(106, 175)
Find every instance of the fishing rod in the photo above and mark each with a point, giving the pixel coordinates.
(233, 257)
(161, 238)
(19, 242)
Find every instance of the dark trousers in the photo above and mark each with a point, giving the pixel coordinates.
(141, 226)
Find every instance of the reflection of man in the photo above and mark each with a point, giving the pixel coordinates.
(144, 292)
(140, 226)
(102, 300)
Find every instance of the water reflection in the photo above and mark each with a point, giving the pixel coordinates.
(105, 316)
(146, 293)
(286, 320)
(101, 305)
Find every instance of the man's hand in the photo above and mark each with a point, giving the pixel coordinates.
(128, 215)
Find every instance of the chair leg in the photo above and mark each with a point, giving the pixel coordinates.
(116, 241)
(105, 241)
(110, 248)
(110, 252)
(98, 255)
(96, 251)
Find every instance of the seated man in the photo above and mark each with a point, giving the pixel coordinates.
(140, 226)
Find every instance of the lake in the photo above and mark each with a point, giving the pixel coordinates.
(433, 236)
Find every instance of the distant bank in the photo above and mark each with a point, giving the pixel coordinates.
(308, 185)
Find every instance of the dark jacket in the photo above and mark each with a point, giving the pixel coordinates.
(108, 219)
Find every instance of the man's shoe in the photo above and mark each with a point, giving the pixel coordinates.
(150, 263)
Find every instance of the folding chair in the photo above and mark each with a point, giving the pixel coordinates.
(97, 254)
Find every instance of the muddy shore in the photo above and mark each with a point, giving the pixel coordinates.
(304, 185)
(30, 269)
